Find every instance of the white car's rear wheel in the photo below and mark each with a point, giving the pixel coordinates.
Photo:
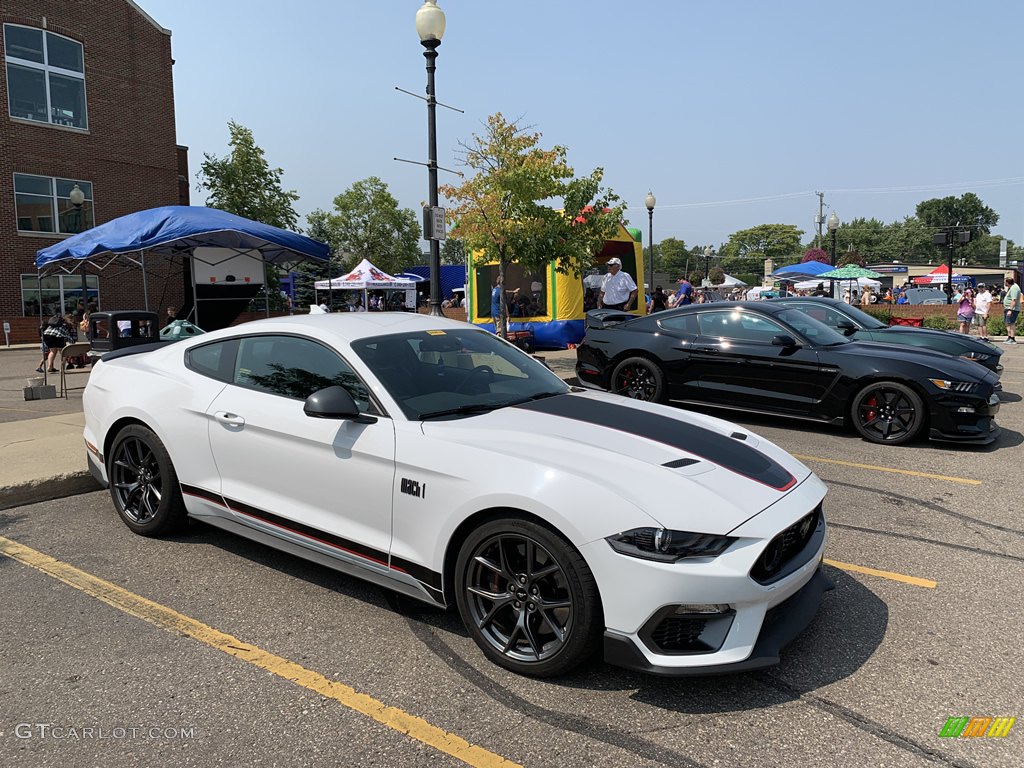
(527, 597)
(143, 483)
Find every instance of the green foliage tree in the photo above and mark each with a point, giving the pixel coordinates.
(243, 183)
(966, 211)
(765, 241)
(502, 211)
(453, 251)
(672, 257)
(367, 223)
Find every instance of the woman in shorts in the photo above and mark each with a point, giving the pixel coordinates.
(965, 311)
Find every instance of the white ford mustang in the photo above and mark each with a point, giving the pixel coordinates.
(434, 459)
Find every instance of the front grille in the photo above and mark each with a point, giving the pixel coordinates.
(781, 550)
(679, 633)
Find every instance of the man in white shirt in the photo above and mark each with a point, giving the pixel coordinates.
(618, 291)
(981, 304)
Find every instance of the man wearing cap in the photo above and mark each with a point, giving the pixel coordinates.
(618, 291)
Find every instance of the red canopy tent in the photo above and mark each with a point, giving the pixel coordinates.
(940, 276)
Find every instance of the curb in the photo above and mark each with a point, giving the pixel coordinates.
(48, 489)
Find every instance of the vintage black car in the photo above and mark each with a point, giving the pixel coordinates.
(860, 326)
(767, 358)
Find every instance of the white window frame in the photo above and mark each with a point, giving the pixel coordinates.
(47, 70)
(54, 200)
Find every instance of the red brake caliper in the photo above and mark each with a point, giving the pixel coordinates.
(871, 403)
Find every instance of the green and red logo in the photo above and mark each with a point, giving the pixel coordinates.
(977, 727)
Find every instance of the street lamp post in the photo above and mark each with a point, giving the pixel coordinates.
(833, 227)
(649, 201)
(708, 253)
(430, 28)
(77, 198)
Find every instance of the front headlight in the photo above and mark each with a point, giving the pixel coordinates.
(978, 357)
(967, 387)
(667, 546)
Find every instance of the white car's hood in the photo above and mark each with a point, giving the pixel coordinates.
(686, 470)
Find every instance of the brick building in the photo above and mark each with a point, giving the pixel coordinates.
(86, 99)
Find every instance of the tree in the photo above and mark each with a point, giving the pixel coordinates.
(672, 257)
(766, 241)
(966, 211)
(244, 184)
(453, 251)
(367, 223)
(501, 212)
(816, 254)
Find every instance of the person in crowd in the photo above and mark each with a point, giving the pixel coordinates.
(169, 317)
(683, 294)
(965, 311)
(618, 291)
(56, 336)
(982, 302)
(497, 292)
(888, 298)
(847, 296)
(820, 290)
(1011, 306)
(865, 297)
(901, 297)
(659, 301)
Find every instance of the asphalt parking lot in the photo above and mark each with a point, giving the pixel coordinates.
(206, 649)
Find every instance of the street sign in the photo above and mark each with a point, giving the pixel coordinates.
(433, 223)
(7, 333)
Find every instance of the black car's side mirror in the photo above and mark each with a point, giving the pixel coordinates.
(784, 340)
(846, 327)
(335, 403)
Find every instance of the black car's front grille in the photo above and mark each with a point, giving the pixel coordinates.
(679, 633)
(783, 548)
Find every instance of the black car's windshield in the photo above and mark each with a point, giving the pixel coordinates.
(453, 372)
(863, 318)
(814, 331)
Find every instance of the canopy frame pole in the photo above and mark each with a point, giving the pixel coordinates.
(145, 283)
(39, 287)
(192, 275)
(330, 283)
(266, 286)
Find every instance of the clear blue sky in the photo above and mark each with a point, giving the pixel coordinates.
(878, 104)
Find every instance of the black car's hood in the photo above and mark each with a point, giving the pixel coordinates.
(915, 361)
(969, 342)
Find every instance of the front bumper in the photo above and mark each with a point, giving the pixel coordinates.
(781, 625)
(963, 420)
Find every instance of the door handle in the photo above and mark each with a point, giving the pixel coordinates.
(231, 419)
(706, 349)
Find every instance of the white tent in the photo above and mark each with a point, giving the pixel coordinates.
(731, 282)
(863, 282)
(366, 277)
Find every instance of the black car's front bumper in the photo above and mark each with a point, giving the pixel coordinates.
(965, 420)
(781, 625)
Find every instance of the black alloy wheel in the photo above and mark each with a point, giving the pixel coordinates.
(527, 597)
(640, 379)
(888, 412)
(143, 483)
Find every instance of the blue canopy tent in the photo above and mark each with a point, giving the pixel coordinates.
(175, 231)
(798, 271)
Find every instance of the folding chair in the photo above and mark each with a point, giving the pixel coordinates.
(78, 349)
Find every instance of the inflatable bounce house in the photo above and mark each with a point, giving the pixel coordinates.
(550, 306)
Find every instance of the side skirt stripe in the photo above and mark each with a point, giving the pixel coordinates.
(430, 579)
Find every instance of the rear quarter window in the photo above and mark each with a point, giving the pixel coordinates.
(216, 360)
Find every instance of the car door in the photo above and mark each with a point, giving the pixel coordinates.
(675, 350)
(740, 366)
(327, 483)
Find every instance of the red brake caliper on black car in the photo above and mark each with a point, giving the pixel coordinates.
(871, 402)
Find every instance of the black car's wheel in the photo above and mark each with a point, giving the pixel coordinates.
(639, 378)
(527, 597)
(143, 483)
(888, 412)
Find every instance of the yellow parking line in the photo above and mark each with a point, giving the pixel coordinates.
(166, 618)
(917, 582)
(910, 472)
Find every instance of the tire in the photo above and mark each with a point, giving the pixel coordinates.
(527, 598)
(888, 413)
(143, 483)
(640, 379)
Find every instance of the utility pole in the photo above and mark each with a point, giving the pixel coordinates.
(820, 218)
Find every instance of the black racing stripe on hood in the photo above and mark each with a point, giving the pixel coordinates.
(727, 452)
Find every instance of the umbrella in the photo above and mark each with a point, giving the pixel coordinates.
(849, 272)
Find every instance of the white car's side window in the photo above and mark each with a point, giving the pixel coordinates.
(294, 367)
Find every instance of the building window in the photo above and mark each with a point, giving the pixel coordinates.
(60, 294)
(45, 76)
(43, 204)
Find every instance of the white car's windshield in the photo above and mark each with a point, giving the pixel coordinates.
(454, 371)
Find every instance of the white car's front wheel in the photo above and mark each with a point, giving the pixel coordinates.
(143, 483)
(527, 597)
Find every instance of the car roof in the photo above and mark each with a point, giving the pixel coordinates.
(346, 327)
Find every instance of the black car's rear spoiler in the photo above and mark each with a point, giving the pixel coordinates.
(607, 318)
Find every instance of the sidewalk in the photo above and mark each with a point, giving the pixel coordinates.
(42, 454)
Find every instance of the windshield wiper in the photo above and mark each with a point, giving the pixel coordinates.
(465, 409)
(538, 396)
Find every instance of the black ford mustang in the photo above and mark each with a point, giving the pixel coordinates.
(767, 358)
(860, 326)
